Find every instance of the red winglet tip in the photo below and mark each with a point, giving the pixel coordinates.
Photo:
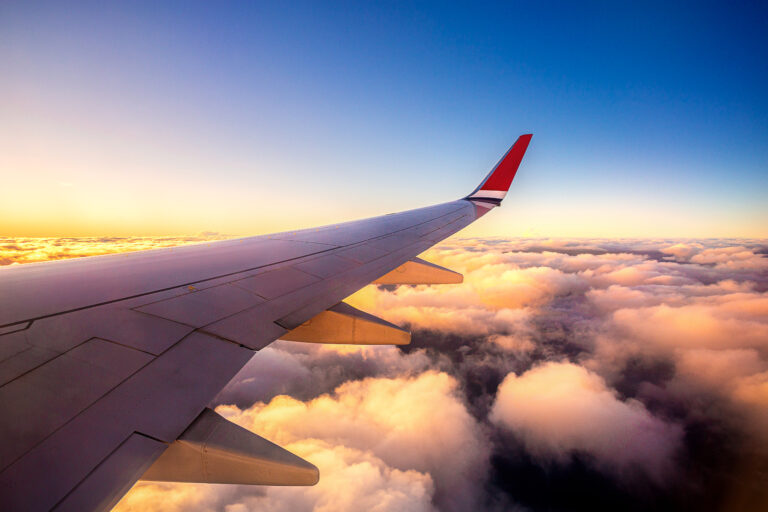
(505, 171)
(495, 186)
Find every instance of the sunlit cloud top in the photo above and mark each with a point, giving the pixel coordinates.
(635, 367)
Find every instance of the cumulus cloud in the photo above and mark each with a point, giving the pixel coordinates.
(305, 370)
(734, 258)
(376, 443)
(517, 344)
(557, 361)
(718, 368)
(697, 325)
(753, 391)
(352, 480)
(561, 408)
(683, 251)
(169, 497)
(390, 418)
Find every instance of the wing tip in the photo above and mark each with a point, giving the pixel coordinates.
(495, 186)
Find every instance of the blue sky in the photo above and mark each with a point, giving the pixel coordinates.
(134, 118)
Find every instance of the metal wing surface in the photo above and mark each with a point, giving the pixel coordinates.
(107, 363)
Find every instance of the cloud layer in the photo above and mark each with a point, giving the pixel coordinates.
(31, 250)
(563, 374)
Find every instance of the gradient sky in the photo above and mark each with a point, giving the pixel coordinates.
(241, 118)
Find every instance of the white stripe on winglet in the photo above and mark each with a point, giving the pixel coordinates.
(492, 194)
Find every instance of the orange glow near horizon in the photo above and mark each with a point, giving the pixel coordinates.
(86, 213)
(108, 193)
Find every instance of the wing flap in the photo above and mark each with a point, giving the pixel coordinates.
(159, 402)
(110, 480)
(63, 388)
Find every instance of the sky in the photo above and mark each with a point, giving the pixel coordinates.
(157, 119)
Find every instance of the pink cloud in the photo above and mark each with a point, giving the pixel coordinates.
(387, 418)
(374, 418)
(559, 409)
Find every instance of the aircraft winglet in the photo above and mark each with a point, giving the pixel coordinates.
(495, 186)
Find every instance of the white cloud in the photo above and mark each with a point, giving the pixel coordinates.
(410, 424)
(558, 409)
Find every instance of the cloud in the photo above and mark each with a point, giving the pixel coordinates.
(305, 370)
(752, 391)
(388, 418)
(559, 409)
(623, 365)
(734, 258)
(169, 497)
(33, 250)
(375, 444)
(353, 480)
(683, 251)
(697, 325)
(517, 344)
(718, 368)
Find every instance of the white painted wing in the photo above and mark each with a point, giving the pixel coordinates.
(105, 361)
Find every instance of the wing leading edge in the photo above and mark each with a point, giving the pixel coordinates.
(106, 362)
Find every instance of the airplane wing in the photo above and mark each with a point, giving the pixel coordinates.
(107, 363)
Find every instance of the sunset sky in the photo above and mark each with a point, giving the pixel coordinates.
(144, 119)
(608, 349)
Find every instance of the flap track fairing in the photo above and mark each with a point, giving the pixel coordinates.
(343, 324)
(418, 271)
(214, 450)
